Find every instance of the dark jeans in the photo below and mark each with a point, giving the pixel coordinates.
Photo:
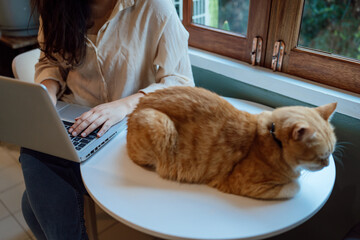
(53, 203)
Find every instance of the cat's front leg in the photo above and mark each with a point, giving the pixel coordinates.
(272, 191)
(288, 190)
(263, 190)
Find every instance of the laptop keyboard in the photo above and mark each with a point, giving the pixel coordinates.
(80, 142)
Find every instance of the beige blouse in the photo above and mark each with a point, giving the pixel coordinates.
(142, 47)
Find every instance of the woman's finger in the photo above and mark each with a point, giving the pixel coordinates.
(94, 125)
(105, 127)
(80, 119)
(82, 124)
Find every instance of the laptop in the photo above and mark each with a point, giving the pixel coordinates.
(28, 118)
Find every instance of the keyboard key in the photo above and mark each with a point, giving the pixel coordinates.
(85, 141)
(78, 141)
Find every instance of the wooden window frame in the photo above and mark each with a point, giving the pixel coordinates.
(275, 20)
(226, 43)
(335, 71)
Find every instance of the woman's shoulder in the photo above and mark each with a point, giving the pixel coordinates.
(162, 8)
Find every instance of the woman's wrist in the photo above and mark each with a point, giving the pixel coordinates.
(131, 101)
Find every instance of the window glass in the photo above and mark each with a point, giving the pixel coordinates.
(332, 26)
(228, 15)
(179, 7)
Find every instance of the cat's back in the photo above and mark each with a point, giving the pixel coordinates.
(197, 135)
(203, 119)
(185, 103)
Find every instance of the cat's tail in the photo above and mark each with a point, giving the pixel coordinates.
(151, 138)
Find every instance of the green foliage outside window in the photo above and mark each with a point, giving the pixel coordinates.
(233, 15)
(332, 26)
(229, 15)
(214, 13)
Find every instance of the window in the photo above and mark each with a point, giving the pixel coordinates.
(231, 16)
(321, 37)
(332, 27)
(179, 7)
(214, 24)
(200, 12)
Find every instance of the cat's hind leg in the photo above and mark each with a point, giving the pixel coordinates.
(151, 137)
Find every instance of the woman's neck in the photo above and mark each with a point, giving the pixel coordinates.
(100, 12)
(101, 8)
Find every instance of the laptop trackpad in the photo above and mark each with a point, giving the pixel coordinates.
(70, 112)
(60, 105)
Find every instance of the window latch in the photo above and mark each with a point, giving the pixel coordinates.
(256, 51)
(278, 56)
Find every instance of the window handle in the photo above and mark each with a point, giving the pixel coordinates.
(256, 51)
(278, 56)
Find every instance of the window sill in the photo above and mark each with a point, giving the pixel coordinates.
(284, 84)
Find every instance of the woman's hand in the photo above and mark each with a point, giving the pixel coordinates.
(104, 115)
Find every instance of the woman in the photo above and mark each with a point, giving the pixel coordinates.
(105, 54)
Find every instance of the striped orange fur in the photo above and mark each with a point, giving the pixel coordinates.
(192, 135)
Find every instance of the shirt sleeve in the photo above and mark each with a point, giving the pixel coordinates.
(45, 69)
(172, 61)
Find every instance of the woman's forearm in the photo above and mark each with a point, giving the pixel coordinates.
(52, 87)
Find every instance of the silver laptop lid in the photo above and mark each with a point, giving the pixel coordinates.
(29, 119)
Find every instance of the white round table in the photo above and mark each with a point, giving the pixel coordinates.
(142, 200)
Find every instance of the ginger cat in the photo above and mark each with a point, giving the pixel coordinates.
(190, 134)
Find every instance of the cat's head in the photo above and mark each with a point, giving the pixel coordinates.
(306, 136)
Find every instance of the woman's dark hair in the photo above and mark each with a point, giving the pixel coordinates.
(64, 25)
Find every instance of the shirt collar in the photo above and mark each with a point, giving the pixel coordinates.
(121, 5)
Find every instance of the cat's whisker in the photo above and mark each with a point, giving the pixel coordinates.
(339, 161)
(339, 152)
(344, 144)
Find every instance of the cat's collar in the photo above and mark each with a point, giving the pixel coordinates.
(272, 131)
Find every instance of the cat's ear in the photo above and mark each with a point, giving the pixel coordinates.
(302, 132)
(325, 111)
